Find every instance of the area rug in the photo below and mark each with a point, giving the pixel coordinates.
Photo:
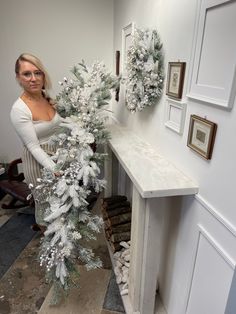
(113, 301)
(15, 234)
(23, 287)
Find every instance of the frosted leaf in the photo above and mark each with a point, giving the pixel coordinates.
(84, 216)
(61, 210)
(61, 187)
(76, 235)
(76, 201)
(72, 191)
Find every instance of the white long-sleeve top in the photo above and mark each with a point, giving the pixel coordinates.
(33, 133)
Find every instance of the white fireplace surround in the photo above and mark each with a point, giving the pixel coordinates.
(155, 182)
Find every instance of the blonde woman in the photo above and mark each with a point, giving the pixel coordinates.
(35, 121)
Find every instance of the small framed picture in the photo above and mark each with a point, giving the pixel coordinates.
(201, 136)
(175, 79)
(175, 115)
(127, 33)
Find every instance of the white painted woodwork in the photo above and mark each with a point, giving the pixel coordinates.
(152, 174)
(214, 65)
(175, 115)
(154, 180)
(137, 243)
(215, 271)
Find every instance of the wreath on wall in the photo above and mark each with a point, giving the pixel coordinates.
(145, 71)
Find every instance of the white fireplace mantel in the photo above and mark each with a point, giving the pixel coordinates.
(155, 180)
(152, 174)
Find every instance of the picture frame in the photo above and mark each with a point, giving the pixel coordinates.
(175, 79)
(175, 115)
(212, 79)
(127, 33)
(201, 136)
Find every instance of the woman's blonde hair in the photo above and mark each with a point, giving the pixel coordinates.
(35, 61)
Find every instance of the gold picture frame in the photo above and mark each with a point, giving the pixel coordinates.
(175, 79)
(201, 136)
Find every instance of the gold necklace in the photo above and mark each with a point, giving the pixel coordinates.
(31, 98)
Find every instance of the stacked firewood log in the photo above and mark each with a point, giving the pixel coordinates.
(116, 211)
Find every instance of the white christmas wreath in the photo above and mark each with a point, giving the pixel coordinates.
(144, 82)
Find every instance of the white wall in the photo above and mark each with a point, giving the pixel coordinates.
(60, 33)
(214, 207)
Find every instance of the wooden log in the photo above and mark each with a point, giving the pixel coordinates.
(108, 235)
(115, 246)
(116, 212)
(119, 219)
(120, 228)
(113, 206)
(104, 213)
(109, 231)
(106, 224)
(118, 237)
(117, 229)
(114, 199)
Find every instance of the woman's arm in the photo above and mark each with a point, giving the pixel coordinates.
(23, 125)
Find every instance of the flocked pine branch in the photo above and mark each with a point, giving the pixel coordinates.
(82, 103)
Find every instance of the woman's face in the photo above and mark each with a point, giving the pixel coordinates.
(30, 77)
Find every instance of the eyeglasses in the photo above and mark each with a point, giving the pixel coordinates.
(28, 75)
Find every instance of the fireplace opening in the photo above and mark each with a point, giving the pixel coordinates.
(116, 211)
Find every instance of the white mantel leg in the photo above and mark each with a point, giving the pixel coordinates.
(137, 234)
(146, 238)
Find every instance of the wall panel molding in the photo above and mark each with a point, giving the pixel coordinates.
(213, 78)
(229, 260)
(209, 258)
(231, 228)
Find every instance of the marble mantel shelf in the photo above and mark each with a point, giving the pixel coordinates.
(152, 174)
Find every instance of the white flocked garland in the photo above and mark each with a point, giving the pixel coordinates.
(70, 224)
(145, 73)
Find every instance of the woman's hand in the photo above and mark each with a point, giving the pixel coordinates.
(58, 173)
